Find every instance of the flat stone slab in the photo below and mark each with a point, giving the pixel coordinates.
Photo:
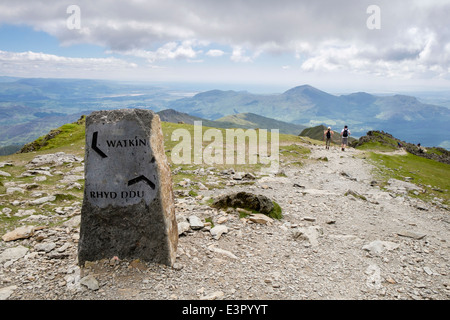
(128, 208)
(411, 234)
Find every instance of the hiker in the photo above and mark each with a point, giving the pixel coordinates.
(420, 148)
(327, 134)
(345, 133)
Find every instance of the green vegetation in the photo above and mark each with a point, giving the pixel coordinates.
(431, 175)
(376, 146)
(210, 220)
(276, 212)
(377, 140)
(64, 136)
(384, 142)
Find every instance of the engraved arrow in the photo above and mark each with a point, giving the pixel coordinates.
(94, 145)
(141, 178)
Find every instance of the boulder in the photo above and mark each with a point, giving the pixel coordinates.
(245, 200)
(260, 218)
(217, 231)
(19, 233)
(195, 223)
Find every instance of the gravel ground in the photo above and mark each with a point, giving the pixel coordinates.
(331, 244)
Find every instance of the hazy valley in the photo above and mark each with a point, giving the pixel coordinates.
(29, 108)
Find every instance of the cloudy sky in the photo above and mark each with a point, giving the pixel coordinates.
(334, 45)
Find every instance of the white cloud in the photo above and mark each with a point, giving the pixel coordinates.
(238, 55)
(29, 63)
(215, 53)
(325, 35)
(169, 51)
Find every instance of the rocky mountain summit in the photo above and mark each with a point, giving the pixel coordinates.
(341, 236)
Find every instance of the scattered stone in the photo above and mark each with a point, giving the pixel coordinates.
(213, 296)
(249, 176)
(243, 211)
(222, 219)
(6, 292)
(138, 264)
(183, 227)
(74, 185)
(355, 194)
(4, 174)
(201, 186)
(38, 171)
(222, 252)
(428, 271)
(73, 222)
(377, 247)
(90, 282)
(55, 159)
(4, 164)
(237, 176)
(195, 223)
(260, 218)
(71, 179)
(217, 231)
(402, 186)
(22, 213)
(46, 246)
(12, 190)
(43, 200)
(13, 253)
(410, 234)
(64, 247)
(310, 233)
(177, 266)
(6, 211)
(374, 276)
(344, 174)
(19, 233)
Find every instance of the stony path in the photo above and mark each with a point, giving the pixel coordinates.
(341, 238)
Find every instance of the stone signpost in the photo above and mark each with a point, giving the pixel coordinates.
(128, 208)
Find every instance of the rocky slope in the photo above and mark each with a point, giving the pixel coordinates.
(341, 237)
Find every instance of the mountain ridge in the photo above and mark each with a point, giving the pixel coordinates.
(404, 116)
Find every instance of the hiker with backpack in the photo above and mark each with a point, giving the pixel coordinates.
(345, 133)
(327, 134)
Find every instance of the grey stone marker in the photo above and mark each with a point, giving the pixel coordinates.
(128, 208)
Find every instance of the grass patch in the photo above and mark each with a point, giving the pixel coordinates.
(66, 135)
(276, 212)
(192, 193)
(210, 220)
(65, 197)
(376, 146)
(429, 174)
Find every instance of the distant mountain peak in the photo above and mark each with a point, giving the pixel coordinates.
(306, 90)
